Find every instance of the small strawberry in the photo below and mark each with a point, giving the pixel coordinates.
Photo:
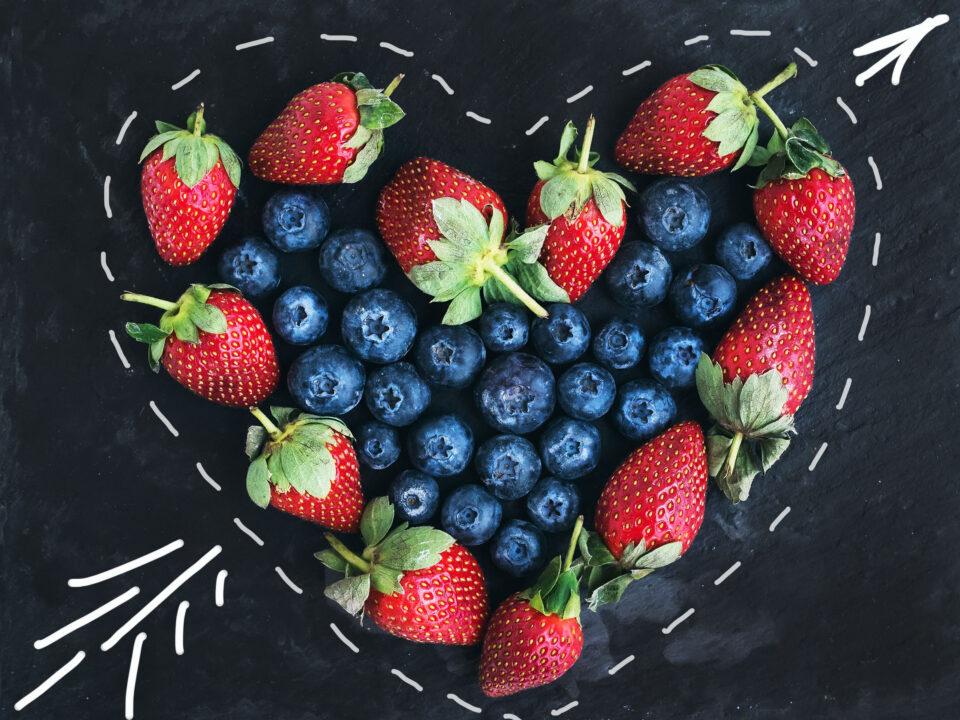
(330, 133)
(305, 465)
(447, 229)
(415, 582)
(534, 637)
(213, 342)
(694, 124)
(188, 184)
(586, 210)
(762, 370)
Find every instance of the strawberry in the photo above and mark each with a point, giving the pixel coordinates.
(586, 210)
(694, 124)
(305, 465)
(648, 512)
(415, 582)
(534, 637)
(188, 184)
(330, 133)
(213, 342)
(761, 372)
(447, 231)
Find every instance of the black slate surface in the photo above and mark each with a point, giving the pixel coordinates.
(848, 610)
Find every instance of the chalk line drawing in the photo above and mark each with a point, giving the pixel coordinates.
(189, 78)
(847, 110)
(412, 683)
(127, 566)
(695, 40)
(622, 664)
(843, 395)
(903, 42)
(68, 667)
(218, 590)
(463, 703)
(583, 93)
(876, 171)
(254, 43)
(636, 68)
(206, 476)
(163, 418)
(247, 531)
(103, 264)
(537, 125)
(479, 118)
(566, 708)
(672, 626)
(751, 33)
(816, 458)
(863, 325)
(132, 675)
(116, 346)
(86, 619)
(397, 50)
(126, 124)
(778, 518)
(343, 638)
(442, 83)
(106, 198)
(876, 250)
(727, 573)
(338, 38)
(800, 53)
(178, 626)
(286, 579)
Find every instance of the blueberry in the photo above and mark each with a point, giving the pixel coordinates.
(251, 266)
(296, 219)
(378, 445)
(639, 275)
(415, 496)
(674, 213)
(396, 394)
(450, 355)
(379, 326)
(518, 547)
(563, 336)
(353, 260)
(619, 344)
(570, 448)
(516, 393)
(743, 251)
(554, 504)
(300, 315)
(504, 327)
(508, 465)
(702, 295)
(326, 380)
(440, 445)
(643, 408)
(471, 515)
(674, 354)
(586, 391)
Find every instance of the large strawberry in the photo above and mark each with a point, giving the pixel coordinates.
(330, 133)
(188, 184)
(586, 210)
(694, 124)
(305, 465)
(213, 342)
(534, 637)
(415, 582)
(762, 370)
(447, 231)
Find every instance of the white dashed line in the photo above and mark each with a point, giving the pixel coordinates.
(443, 83)
(343, 638)
(876, 172)
(863, 325)
(283, 576)
(751, 33)
(621, 665)
(847, 110)
(116, 346)
(106, 197)
(397, 50)
(583, 93)
(338, 38)
(843, 395)
(126, 567)
(103, 264)
(412, 683)
(729, 571)
(50, 681)
(479, 118)
(218, 592)
(250, 533)
(537, 125)
(132, 675)
(86, 619)
(816, 458)
(636, 68)
(810, 61)
(510, 716)
(695, 40)
(163, 419)
(210, 481)
(126, 124)
(178, 626)
(463, 703)
(778, 518)
(561, 710)
(876, 250)
(180, 83)
(254, 43)
(669, 628)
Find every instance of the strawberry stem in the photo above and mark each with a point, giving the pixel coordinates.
(147, 300)
(358, 562)
(731, 461)
(266, 422)
(583, 165)
(500, 274)
(757, 97)
(198, 121)
(572, 548)
(393, 85)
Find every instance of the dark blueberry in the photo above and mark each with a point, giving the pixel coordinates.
(471, 515)
(516, 393)
(415, 496)
(674, 354)
(619, 344)
(674, 213)
(643, 408)
(396, 394)
(296, 219)
(300, 315)
(251, 266)
(378, 445)
(702, 295)
(440, 445)
(508, 465)
(586, 391)
(379, 326)
(554, 504)
(504, 327)
(450, 355)
(353, 260)
(743, 251)
(570, 448)
(326, 380)
(563, 336)
(518, 547)
(639, 275)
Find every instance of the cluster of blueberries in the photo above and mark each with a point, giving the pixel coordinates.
(517, 392)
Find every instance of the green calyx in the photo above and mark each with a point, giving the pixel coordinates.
(388, 555)
(474, 258)
(557, 590)
(794, 152)
(377, 112)
(195, 150)
(291, 451)
(750, 431)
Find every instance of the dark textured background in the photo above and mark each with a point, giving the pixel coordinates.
(850, 609)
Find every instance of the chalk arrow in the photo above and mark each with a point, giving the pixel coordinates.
(903, 43)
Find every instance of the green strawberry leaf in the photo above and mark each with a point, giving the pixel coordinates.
(558, 194)
(208, 318)
(716, 78)
(805, 130)
(731, 129)
(610, 592)
(155, 353)
(163, 127)
(184, 329)
(659, 556)
(350, 593)
(749, 149)
(594, 550)
(609, 199)
(386, 580)
(547, 580)
(534, 278)
(413, 549)
(380, 114)
(567, 138)
(761, 400)
(464, 307)
(332, 560)
(803, 158)
(145, 332)
(377, 520)
(231, 162)
(526, 246)
(356, 80)
(283, 415)
(461, 223)
(545, 170)
(258, 482)
(157, 140)
(256, 437)
(365, 158)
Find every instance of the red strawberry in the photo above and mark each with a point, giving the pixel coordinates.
(305, 465)
(213, 342)
(586, 210)
(188, 184)
(761, 372)
(330, 133)
(415, 582)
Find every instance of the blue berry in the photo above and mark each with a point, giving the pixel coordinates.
(674, 213)
(643, 408)
(563, 336)
(743, 251)
(353, 260)
(471, 515)
(518, 547)
(415, 496)
(450, 355)
(619, 344)
(702, 295)
(326, 380)
(379, 326)
(296, 219)
(300, 315)
(554, 504)
(586, 391)
(639, 275)
(674, 354)
(516, 393)
(440, 445)
(504, 327)
(396, 394)
(378, 445)
(508, 465)
(570, 448)
(251, 266)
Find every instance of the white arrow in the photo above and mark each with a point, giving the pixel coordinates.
(903, 43)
